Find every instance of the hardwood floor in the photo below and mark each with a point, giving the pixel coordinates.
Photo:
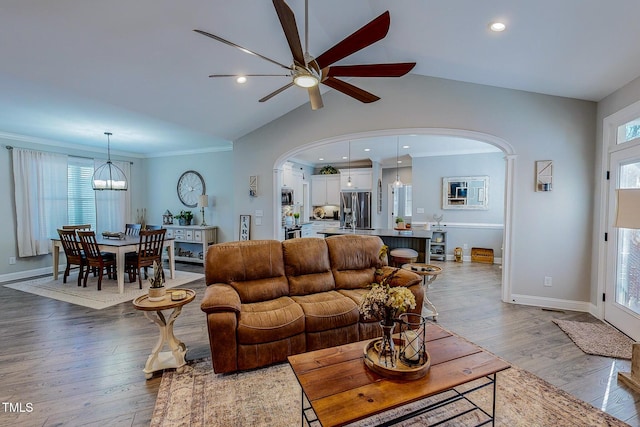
(78, 366)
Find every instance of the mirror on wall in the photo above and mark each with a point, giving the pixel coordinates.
(465, 192)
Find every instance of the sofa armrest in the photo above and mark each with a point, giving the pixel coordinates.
(220, 298)
(402, 277)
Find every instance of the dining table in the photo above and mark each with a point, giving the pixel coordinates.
(119, 247)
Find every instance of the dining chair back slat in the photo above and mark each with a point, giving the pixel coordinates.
(132, 229)
(72, 251)
(149, 250)
(152, 227)
(77, 227)
(95, 258)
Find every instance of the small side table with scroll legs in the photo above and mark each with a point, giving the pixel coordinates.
(159, 360)
(429, 273)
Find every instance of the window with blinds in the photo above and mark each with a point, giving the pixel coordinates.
(81, 197)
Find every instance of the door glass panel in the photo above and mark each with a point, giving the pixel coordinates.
(628, 131)
(627, 291)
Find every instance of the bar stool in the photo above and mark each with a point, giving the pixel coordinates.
(400, 256)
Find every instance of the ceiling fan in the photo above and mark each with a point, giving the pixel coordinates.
(308, 72)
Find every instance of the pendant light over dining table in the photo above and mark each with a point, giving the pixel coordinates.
(109, 176)
(397, 183)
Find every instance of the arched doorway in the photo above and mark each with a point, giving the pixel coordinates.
(501, 144)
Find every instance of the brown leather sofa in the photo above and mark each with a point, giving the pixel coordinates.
(268, 299)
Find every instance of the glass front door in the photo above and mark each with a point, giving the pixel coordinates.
(622, 301)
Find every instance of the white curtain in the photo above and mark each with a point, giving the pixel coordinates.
(40, 184)
(113, 208)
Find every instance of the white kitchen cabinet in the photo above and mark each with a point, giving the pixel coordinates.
(293, 178)
(361, 179)
(191, 241)
(325, 190)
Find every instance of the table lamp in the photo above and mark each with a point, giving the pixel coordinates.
(203, 202)
(628, 216)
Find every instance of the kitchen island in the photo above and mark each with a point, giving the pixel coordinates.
(415, 239)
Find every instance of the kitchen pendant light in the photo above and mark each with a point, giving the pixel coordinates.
(109, 176)
(349, 184)
(397, 183)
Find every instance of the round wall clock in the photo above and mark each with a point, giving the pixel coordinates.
(190, 188)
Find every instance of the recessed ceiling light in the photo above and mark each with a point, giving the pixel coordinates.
(344, 157)
(367, 149)
(241, 79)
(497, 27)
(405, 146)
(399, 161)
(321, 158)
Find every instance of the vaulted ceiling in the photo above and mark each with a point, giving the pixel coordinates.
(71, 70)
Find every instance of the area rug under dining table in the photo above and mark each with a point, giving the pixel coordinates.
(90, 296)
(271, 397)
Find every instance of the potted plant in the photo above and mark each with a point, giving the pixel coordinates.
(296, 217)
(157, 290)
(184, 217)
(399, 222)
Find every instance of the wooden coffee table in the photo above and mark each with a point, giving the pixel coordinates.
(341, 389)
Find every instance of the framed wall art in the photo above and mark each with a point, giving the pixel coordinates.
(245, 227)
(465, 192)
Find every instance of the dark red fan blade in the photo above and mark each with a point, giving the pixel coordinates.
(365, 36)
(371, 70)
(288, 22)
(351, 90)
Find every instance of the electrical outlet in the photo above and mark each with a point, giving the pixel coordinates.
(547, 281)
(12, 260)
(465, 246)
(257, 220)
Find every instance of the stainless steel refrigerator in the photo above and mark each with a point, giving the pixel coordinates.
(355, 209)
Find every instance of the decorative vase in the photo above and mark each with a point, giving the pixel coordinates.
(157, 294)
(288, 221)
(387, 352)
(297, 221)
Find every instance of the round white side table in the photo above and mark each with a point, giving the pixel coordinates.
(174, 358)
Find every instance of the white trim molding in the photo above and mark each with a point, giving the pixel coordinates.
(552, 303)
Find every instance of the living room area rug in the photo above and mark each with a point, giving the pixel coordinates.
(90, 296)
(271, 397)
(597, 338)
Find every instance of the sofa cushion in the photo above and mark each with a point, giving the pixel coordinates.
(254, 268)
(306, 264)
(357, 295)
(268, 321)
(354, 259)
(327, 310)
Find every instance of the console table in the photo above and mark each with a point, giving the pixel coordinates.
(192, 241)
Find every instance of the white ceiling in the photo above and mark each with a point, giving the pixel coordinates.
(71, 70)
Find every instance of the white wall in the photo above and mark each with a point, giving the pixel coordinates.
(162, 174)
(552, 232)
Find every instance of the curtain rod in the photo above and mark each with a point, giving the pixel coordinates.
(10, 147)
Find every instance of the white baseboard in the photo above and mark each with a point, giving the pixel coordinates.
(27, 274)
(554, 303)
(467, 258)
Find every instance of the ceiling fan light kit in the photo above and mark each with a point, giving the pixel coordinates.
(308, 72)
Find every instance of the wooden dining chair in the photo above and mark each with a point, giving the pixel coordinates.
(101, 261)
(149, 250)
(73, 252)
(152, 227)
(132, 229)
